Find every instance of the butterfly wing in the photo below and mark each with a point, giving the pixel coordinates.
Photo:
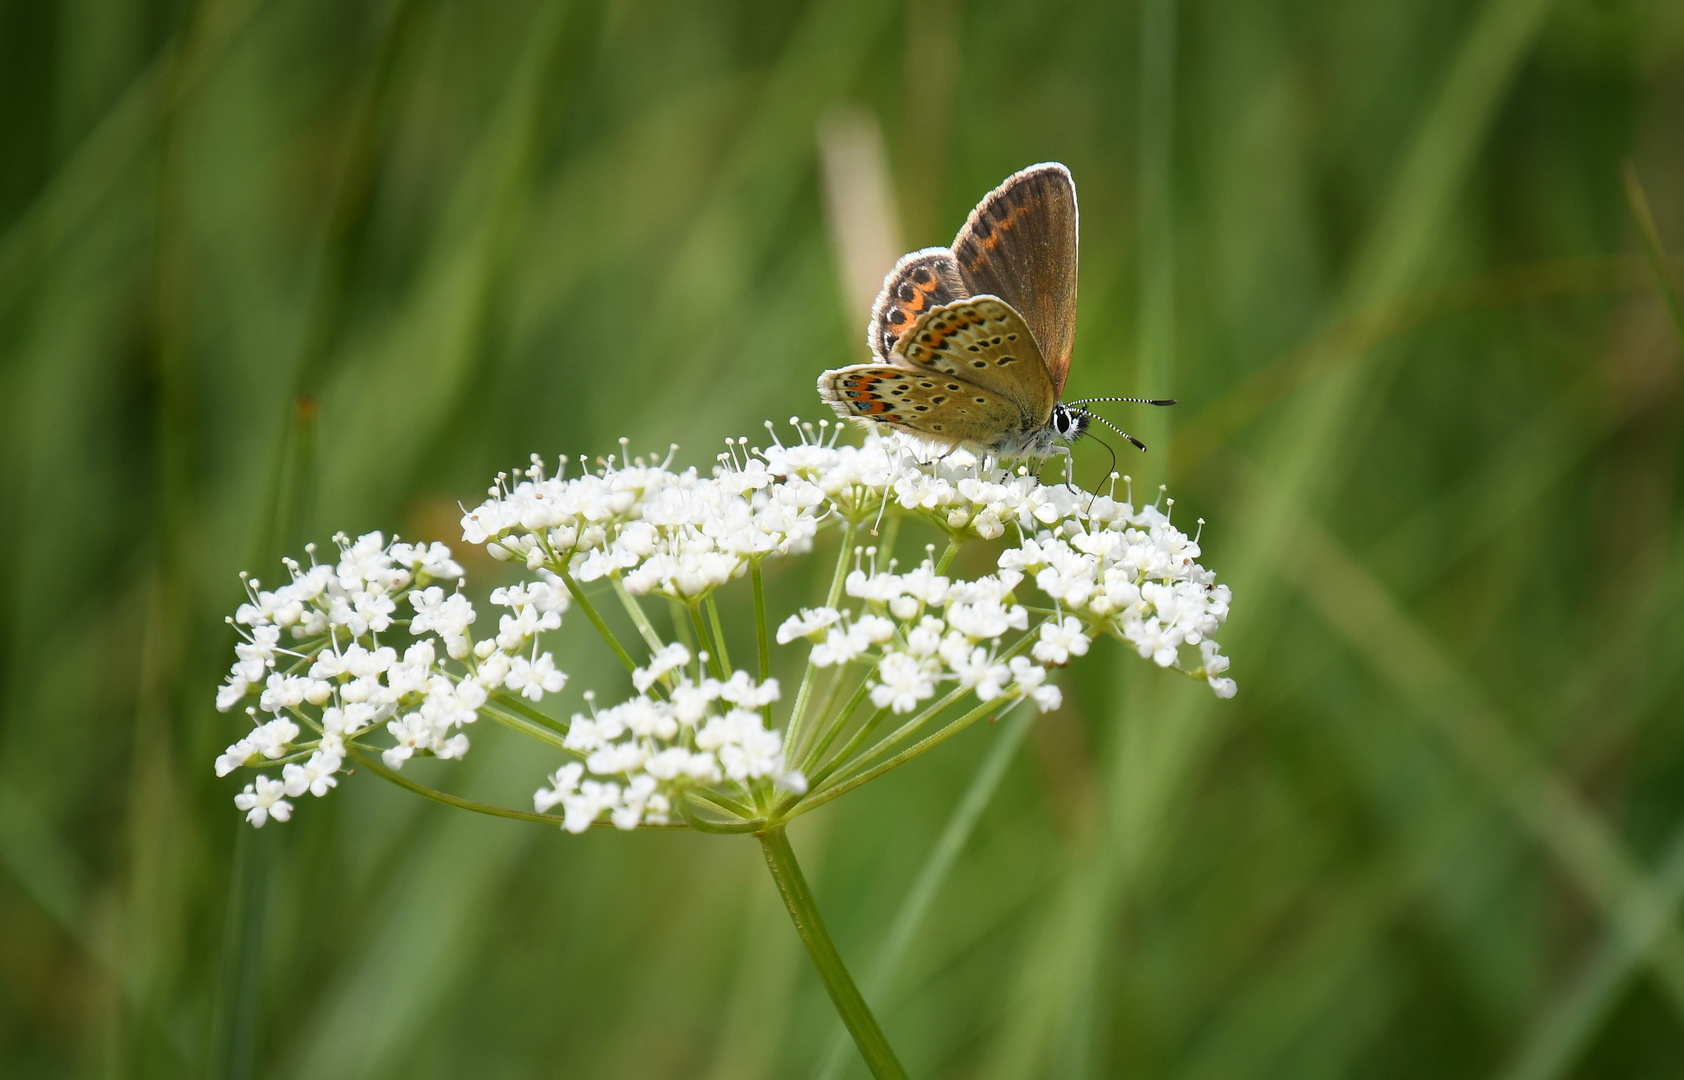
(941, 408)
(919, 281)
(966, 372)
(986, 343)
(1020, 245)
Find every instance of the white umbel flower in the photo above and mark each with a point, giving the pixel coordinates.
(376, 652)
(640, 756)
(332, 679)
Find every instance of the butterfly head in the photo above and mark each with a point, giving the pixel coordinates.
(1069, 423)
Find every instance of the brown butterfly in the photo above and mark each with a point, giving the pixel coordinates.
(973, 342)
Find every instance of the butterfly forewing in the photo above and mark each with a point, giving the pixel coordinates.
(984, 343)
(919, 282)
(1020, 245)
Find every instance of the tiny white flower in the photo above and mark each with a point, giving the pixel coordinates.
(838, 647)
(315, 775)
(1031, 681)
(263, 799)
(667, 659)
(1059, 641)
(534, 678)
(808, 624)
(902, 682)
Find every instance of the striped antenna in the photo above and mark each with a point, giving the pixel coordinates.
(1136, 400)
(1113, 427)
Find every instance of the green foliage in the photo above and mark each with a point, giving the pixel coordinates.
(272, 268)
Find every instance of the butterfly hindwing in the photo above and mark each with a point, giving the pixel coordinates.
(1020, 245)
(919, 282)
(985, 343)
(932, 405)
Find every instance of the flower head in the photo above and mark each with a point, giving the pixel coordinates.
(380, 644)
(336, 674)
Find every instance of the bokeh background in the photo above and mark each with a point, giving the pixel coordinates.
(275, 268)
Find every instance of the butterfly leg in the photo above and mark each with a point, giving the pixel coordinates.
(1069, 466)
(919, 452)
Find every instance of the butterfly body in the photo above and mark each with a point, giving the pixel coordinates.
(972, 343)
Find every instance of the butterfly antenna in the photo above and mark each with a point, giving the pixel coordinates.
(1113, 427)
(1135, 400)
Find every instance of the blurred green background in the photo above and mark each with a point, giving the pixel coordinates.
(275, 268)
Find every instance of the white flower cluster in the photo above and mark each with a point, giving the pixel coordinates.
(339, 674)
(922, 629)
(1107, 567)
(681, 535)
(1129, 573)
(956, 491)
(374, 641)
(674, 534)
(639, 755)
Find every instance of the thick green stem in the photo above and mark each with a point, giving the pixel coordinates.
(681, 627)
(761, 633)
(856, 1015)
(701, 824)
(810, 758)
(851, 760)
(794, 732)
(816, 799)
(938, 866)
(870, 725)
(953, 545)
(526, 727)
(596, 620)
(516, 704)
(723, 803)
(696, 624)
(638, 618)
(840, 576)
(719, 637)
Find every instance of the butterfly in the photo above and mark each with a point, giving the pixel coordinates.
(972, 343)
